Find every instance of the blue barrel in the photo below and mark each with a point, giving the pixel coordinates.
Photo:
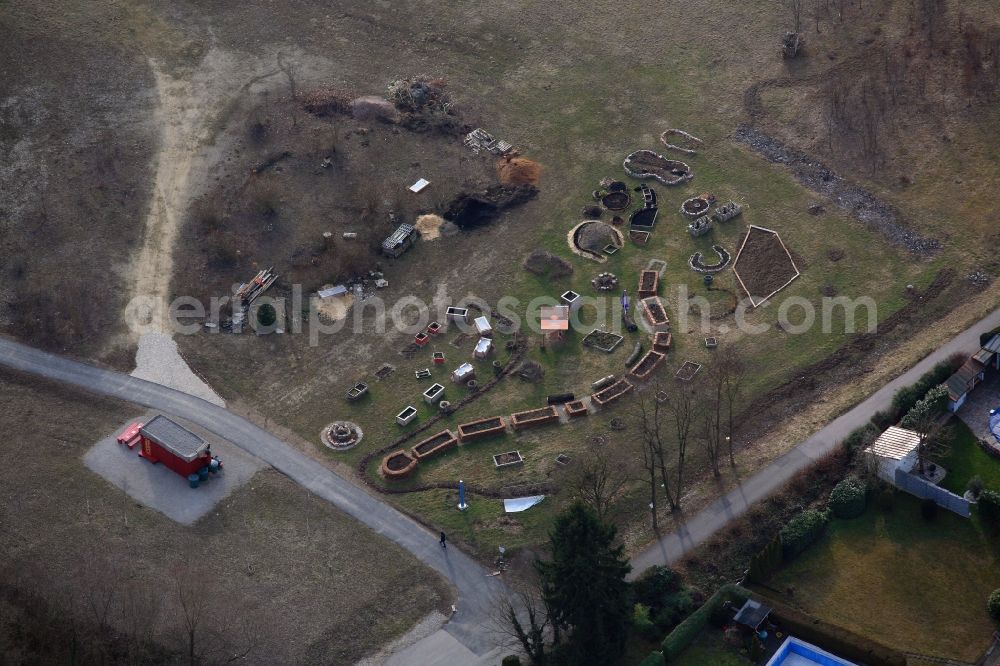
(203, 473)
(194, 480)
(214, 465)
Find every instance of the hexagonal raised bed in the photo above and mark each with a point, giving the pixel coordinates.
(398, 464)
(507, 459)
(644, 368)
(613, 392)
(576, 409)
(534, 417)
(435, 444)
(493, 425)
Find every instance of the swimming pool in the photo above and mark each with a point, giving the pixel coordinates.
(795, 652)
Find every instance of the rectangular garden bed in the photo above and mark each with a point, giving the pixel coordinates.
(613, 392)
(534, 417)
(602, 340)
(407, 415)
(662, 340)
(644, 368)
(434, 393)
(576, 408)
(655, 313)
(687, 371)
(435, 444)
(649, 283)
(357, 391)
(487, 427)
(507, 459)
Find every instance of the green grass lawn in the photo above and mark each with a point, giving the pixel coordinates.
(913, 585)
(710, 649)
(966, 460)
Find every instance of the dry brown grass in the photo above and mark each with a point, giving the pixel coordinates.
(318, 585)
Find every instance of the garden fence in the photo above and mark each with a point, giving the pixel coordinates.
(926, 490)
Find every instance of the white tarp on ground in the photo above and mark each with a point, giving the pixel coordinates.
(521, 503)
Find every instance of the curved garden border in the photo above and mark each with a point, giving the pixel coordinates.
(676, 132)
(696, 264)
(668, 164)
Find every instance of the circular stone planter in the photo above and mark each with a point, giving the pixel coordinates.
(444, 406)
(472, 385)
(695, 207)
(341, 435)
(616, 200)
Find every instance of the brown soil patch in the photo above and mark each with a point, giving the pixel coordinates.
(518, 171)
(429, 226)
(763, 265)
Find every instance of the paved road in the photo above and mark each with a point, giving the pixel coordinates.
(716, 515)
(475, 590)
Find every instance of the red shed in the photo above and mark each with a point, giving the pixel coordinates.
(173, 445)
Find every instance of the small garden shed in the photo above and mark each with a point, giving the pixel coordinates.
(896, 448)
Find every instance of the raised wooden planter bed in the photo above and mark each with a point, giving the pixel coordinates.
(613, 392)
(662, 340)
(507, 459)
(644, 368)
(576, 409)
(435, 444)
(655, 313)
(649, 283)
(398, 465)
(482, 428)
(533, 417)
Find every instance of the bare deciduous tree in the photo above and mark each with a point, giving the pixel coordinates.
(598, 481)
(519, 614)
(795, 9)
(662, 448)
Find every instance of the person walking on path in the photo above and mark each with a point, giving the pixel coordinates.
(444, 540)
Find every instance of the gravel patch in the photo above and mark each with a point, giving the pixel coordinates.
(861, 203)
(158, 361)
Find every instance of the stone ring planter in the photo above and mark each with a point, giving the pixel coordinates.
(695, 207)
(616, 200)
(533, 417)
(341, 435)
(482, 428)
(398, 465)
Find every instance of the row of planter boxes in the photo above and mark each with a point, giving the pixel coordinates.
(533, 417)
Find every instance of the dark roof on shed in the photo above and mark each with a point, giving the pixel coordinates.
(752, 614)
(961, 382)
(173, 437)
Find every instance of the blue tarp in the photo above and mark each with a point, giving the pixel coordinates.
(995, 423)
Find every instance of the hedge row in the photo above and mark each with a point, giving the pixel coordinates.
(802, 531)
(830, 637)
(684, 634)
(848, 498)
(908, 396)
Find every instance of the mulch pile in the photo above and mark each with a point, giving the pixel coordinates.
(518, 171)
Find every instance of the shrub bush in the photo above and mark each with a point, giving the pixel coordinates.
(684, 634)
(928, 509)
(801, 531)
(643, 625)
(654, 659)
(266, 315)
(861, 437)
(975, 486)
(848, 498)
(886, 498)
(907, 397)
(993, 604)
(933, 404)
(989, 507)
(513, 660)
(663, 594)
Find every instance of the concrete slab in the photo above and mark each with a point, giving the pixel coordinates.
(443, 649)
(160, 488)
(976, 410)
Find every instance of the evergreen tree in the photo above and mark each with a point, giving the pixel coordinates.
(584, 587)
